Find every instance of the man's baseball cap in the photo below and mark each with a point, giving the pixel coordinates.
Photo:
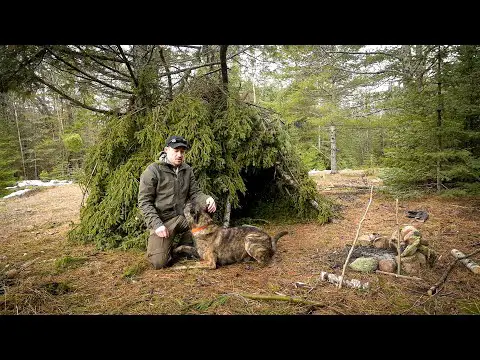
(176, 141)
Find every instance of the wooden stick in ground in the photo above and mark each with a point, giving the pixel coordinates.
(355, 240)
(470, 264)
(398, 238)
(434, 289)
(400, 276)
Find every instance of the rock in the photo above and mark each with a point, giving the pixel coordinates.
(364, 264)
(364, 240)
(387, 265)
(381, 243)
(406, 230)
(412, 248)
(430, 255)
(11, 273)
(422, 260)
(412, 265)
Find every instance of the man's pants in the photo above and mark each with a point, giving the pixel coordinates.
(159, 248)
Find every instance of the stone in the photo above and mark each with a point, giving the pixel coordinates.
(364, 264)
(387, 265)
(11, 273)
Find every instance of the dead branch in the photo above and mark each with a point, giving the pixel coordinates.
(347, 186)
(435, 288)
(292, 181)
(355, 240)
(398, 275)
(282, 298)
(86, 185)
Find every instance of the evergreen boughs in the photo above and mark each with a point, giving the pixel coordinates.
(427, 150)
(226, 137)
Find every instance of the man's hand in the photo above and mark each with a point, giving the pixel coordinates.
(162, 231)
(211, 205)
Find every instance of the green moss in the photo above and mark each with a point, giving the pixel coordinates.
(68, 262)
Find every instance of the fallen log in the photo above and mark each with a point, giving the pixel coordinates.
(335, 279)
(470, 264)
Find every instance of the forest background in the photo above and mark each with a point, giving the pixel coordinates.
(97, 114)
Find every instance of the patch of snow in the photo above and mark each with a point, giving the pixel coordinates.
(16, 193)
(24, 183)
(39, 183)
(43, 183)
(315, 171)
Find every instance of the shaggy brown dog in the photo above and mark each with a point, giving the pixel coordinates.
(221, 246)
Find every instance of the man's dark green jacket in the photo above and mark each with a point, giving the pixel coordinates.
(163, 192)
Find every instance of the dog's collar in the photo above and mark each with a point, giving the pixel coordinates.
(199, 229)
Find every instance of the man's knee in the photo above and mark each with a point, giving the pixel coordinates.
(159, 260)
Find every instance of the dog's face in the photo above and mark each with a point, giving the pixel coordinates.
(197, 215)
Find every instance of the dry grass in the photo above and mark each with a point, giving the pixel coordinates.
(59, 277)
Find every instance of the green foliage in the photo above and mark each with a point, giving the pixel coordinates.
(57, 288)
(72, 142)
(68, 262)
(135, 269)
(9, 156)
(203, 305)
(425, 149)
(226, 137)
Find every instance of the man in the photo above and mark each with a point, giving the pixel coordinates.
(165, 186)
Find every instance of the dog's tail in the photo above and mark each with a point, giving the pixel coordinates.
(276, 238)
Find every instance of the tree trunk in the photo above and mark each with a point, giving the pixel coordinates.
(319, 138)
(20, 141)
(333, 150)
(35, 162)
(407, 65)
(226, 216)
(56, 101)
(439, 117)
(223, 64)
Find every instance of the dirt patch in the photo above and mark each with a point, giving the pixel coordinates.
(34, 231)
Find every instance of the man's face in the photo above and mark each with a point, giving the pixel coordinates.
(175, 156)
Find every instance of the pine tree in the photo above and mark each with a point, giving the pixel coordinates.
(428, 143)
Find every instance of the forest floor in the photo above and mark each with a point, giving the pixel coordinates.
(41, 272)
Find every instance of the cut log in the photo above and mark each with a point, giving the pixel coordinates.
(470, 264)
(335, 279)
